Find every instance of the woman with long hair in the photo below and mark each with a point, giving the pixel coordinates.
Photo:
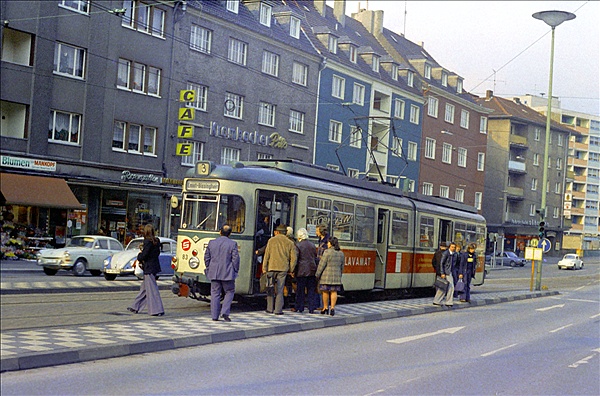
(148, 259)
(329, 274)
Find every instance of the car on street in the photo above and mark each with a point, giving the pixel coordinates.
(121, 263)
(506, 258)
(570, 260)
(82, 253)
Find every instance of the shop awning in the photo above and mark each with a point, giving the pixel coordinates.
(47, 192)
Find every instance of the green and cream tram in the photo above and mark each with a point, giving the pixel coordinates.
(388, 237)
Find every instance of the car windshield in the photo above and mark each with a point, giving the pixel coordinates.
(81, 242)
(570, 256)
(135, 244)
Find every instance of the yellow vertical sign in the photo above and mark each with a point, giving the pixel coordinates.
(184, 149)
(185, 131)
(187, 96)
(187, 114)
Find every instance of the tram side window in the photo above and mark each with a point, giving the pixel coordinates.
(365, 224)
(400, 229)
(318, 211)
(481, 233)
(465, 234)
(232, 211)
(343, 220)
(426, 231)
(210, 212)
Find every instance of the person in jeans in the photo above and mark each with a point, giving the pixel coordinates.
(148, 258)
(279, 259)
(466, 271)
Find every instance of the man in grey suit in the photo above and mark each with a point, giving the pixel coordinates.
(222, 262)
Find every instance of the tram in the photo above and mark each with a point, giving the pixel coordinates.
(388, 236)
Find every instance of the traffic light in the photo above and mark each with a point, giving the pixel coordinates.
(542, 229)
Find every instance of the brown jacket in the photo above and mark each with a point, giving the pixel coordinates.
(280, 254)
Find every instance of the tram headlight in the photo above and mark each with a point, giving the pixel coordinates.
(194, 262)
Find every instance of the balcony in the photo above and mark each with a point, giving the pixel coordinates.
(577, 211)
(578, 195)
(580, 178)
(577, 162)
(517, 167)
(569, 175)
(577, 228)
(514, 193)
(517, 140)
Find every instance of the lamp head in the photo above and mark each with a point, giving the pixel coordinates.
(554, 18)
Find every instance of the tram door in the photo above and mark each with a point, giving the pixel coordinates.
(445, 231)
(383, 221)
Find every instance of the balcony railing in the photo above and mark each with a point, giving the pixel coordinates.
(518, 140)
(517, 167)
(514, 193)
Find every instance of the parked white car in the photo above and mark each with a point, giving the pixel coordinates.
(570, 260)
(121, 263)
(83, 253)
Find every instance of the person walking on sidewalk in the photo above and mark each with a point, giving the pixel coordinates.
(222, 261)
(305, 273)
(280, 258)
(449, 259)
(148, 259)
(329, 274)
(466, 271)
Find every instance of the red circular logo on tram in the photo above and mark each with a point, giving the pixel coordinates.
(186, 244)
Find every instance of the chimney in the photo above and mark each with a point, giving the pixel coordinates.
(339, 11)
(422, 44)
(517, 100)
(320, 6)
(489, 94)
(371, 20)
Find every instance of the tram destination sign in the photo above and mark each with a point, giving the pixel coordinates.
(202, 185)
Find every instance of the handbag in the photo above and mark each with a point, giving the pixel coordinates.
(138, 269)
(266, 282)
(460, 286)
(441, 283)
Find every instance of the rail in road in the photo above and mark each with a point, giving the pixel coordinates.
(50, 346)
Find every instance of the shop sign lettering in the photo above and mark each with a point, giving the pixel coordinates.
(139, 177)
(27, 163)
(274, 140)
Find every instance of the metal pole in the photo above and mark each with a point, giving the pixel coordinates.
(538, 279)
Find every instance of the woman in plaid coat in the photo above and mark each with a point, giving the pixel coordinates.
(329, 274)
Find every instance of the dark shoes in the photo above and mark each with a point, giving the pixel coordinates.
(324, 311)
(158, 314)
(332, 312)
(278, 313)
(132, 310)
(226, 318)
(269, 312)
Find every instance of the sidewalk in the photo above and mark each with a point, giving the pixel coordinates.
(34, 348)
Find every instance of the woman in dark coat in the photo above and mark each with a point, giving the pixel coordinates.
(148, 258)
(329, 274)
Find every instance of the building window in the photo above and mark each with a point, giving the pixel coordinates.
(375, 64)
(449, 116)
(536, 134)
(447, 153)
(134, 138)
(428, 71)
(201, 96)
(335, 131)
(234, 105)
(532, 210)
(444, 191)
(397, 146)
(459, 86)
(558, 188)
(153, 81)
(559, 163)
(17, 47)
(352, 54)
(353, 173)
(355, 137)
(265, 14)
(444, 79)
(337, 87)
(15, 118)
(414, 114)
(410, 79)
(332, 44)
(534, 184)
(64, 127)
(556, 213)
(229, 155)
(237, 51)
(233, 6)
(200, 39)
(430, 148)
(296, 121)
(432, 107)
(264, 156)
(412, 151)
(536, 159)
(399, 108)
(77, 5)
(333, 167)
(478, 200)
(195, 156)
(462, 157)
(295, 27)
(144, 18)
(394, 72)
(480, 162)
(138, 77)
(266, 114)
(459, 195)
(299, 73)
(270, 63)
(560, 140)
(411, 185)
(69, 60)
(483, 125)
(464, 119)
(358, 94)
(427, 188)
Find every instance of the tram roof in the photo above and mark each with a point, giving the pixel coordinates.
(303, 173)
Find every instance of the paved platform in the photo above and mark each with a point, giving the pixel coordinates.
(34, 348)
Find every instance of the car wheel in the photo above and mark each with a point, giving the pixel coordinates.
(79, 267)
(110, 277)
(559, 267)
(512, 264)
(50, 271)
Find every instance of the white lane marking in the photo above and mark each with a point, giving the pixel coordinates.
(561, 328)
(450, 330)
(549, 308)
(579, 288)
(581, 300)
(594, 316)
(582, 361)
(498, 350)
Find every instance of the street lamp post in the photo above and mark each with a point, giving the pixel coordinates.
(553, 19)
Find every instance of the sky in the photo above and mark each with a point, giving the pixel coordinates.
(499, 46)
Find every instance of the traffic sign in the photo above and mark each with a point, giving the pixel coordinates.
(545, 245)
(534, 242)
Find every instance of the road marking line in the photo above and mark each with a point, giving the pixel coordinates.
(450, 330)
(582, 361)
(561, 328)
(579, 288)
(582, 300)
(498, 350)
(552, 307)
(594, 316)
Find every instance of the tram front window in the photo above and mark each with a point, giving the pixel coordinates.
(211, 212)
